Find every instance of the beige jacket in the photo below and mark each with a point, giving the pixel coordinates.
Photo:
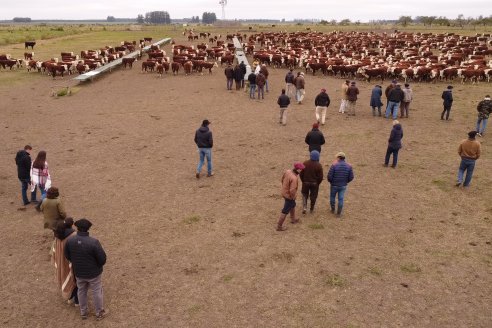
(469, 148)
(289, 185)
(53, 211)
(344, 91)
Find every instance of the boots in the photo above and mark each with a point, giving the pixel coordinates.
(304, 204)
(311, 207)
(339, 211)
(293, 219)
(379, 111)
(332, 208)
(281, 222)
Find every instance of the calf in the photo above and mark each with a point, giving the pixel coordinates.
(28, 44)
(128, 61)
(188, 66)
(175, 67)
(28, 55)
(148, 65)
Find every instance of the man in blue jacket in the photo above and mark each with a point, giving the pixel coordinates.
(88, 258)
(339, 176)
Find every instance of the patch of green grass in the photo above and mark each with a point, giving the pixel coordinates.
(375, 271)
(194, 309)
(192, 219)
(443, 185)
(335, 280)
(227, 277)
(410, 268)
(316, 226)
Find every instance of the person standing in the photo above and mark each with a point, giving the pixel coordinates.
(315, 138)
(344, 101)
(264, 71)
(53, 209)
(229, 73)
(204, 142)
(238, 77)
(88, 258)
(289, 193)
(394, 144)
(289, 83)
(447, 96)
(23, 161)
(469, 151)
(311, 178)
(284, 102)
(40, 177)
(390, 87)
(339, 176)
(395, 97)
(376, 94)
(352, 93)
(484, 109)
(63, 272)
(243, 68)
(322, 101)
(407, 99)
(260, 84)
(300, 84)
(252, 85)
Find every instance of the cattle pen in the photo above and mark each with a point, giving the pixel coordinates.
(241, 56)
(109, 67)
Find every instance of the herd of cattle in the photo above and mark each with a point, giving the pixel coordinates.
(367, 55)
(69, 63)
(355, 55)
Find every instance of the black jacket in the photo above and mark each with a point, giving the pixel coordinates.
(252, 78)
(242, 66)
(229, 72)
(203, 137)
(289, 78)
(283, 101)
(447, 96)
(315, 139)
(23, 161)
(322, 100)
(396, 135)
(238, 73)
(86, 254)
(396, 95)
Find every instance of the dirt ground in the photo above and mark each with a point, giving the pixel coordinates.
(412, 250)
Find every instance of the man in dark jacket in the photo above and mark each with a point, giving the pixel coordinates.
(311, 177)
(88, 258)
(229, 73)
(264, 71)
(204, 142)
(339, 176)
(394, 144)
(284, 102)
(242, 66)
(289, 84)
(352, 93)
(395, 97)
(252, 85)
(322, 101)
(484, 109)
(447, 97)
(315, 138)
(23, 161)
(238, 77)
(260, 84)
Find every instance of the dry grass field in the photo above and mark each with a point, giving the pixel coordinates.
(412, 250)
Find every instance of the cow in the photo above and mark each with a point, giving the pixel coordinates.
(148, 65)
(448, 73)
(147, 39)
(208, 66)
(4, 57)
(175, 67)
(128, 61)
(188, 66)
(160, 69)
(4, 63)
(28, 44)
(28, 55)
(372, 72)
(32, 64)
(81, 68)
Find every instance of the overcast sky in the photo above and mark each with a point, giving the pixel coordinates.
(247, 9)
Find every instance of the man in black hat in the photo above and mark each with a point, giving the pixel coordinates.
(88, 258)
(204, 142)
(447, 97)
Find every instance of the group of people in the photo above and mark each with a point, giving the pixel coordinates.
(77, 258)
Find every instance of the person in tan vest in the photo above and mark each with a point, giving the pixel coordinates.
(469, 151)
(343, 103)
(290, 185)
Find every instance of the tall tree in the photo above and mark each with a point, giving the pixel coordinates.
(208, 18)
(140, 19)
(404, 20)
(111, 19)
(158, 17)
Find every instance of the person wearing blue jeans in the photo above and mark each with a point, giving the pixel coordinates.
(204, 142)
(394, 144)
(23, 162)
(484, 109)
(469, 150)
(252, 85)
(395, 97)
(339, 176)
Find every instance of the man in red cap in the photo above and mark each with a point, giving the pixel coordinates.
(315, 138)
(321, 102)
(290, 184)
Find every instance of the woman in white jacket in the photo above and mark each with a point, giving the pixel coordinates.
(40, 176)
